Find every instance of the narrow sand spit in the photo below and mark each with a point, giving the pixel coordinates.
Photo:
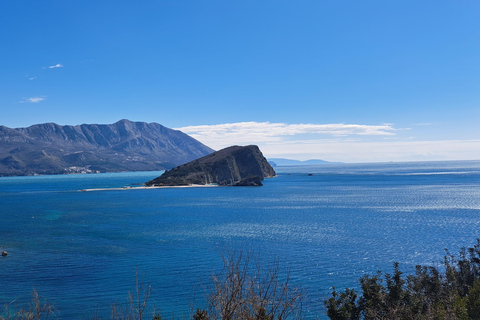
(153, 187)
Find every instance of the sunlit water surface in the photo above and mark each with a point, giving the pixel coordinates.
(327, 224)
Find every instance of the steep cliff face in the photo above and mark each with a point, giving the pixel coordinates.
(230, 166)
(123, 146)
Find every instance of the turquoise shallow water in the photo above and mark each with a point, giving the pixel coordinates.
(82, 249)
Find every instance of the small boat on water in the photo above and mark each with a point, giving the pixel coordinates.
(4, 253)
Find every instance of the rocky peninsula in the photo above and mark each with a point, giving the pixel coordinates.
(232, 166)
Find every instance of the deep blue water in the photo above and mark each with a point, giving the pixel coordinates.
(81, 249)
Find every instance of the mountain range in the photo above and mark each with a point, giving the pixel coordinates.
(289, 162)
(50, 148)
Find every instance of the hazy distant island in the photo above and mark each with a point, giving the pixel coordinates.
(290, 162)
(50, 148)
(232, 166)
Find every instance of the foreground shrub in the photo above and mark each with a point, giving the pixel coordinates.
(453, 293)
(39, 308)
(247, 289)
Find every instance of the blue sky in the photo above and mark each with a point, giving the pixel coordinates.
(353, 81)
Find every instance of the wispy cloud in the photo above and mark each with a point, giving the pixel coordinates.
(374, 151)
(33, 100)
(58, 65)
(332, 142)
(221, 135)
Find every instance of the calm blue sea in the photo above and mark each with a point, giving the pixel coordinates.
(81, 249)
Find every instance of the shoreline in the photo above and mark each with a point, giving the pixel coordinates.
(152, 187)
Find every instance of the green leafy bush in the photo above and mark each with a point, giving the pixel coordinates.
(450, 293)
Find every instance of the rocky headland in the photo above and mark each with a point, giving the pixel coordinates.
(232, 166)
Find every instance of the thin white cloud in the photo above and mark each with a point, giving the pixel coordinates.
(58, 65)
(333, 142)
(222, 135)
(32, 78)
(33, 100)
(375, 151)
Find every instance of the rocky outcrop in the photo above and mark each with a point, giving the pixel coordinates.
(232, 166)
(249, 181)
(50, 148)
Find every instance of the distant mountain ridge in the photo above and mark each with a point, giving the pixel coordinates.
(289, 162)
(50, 148)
